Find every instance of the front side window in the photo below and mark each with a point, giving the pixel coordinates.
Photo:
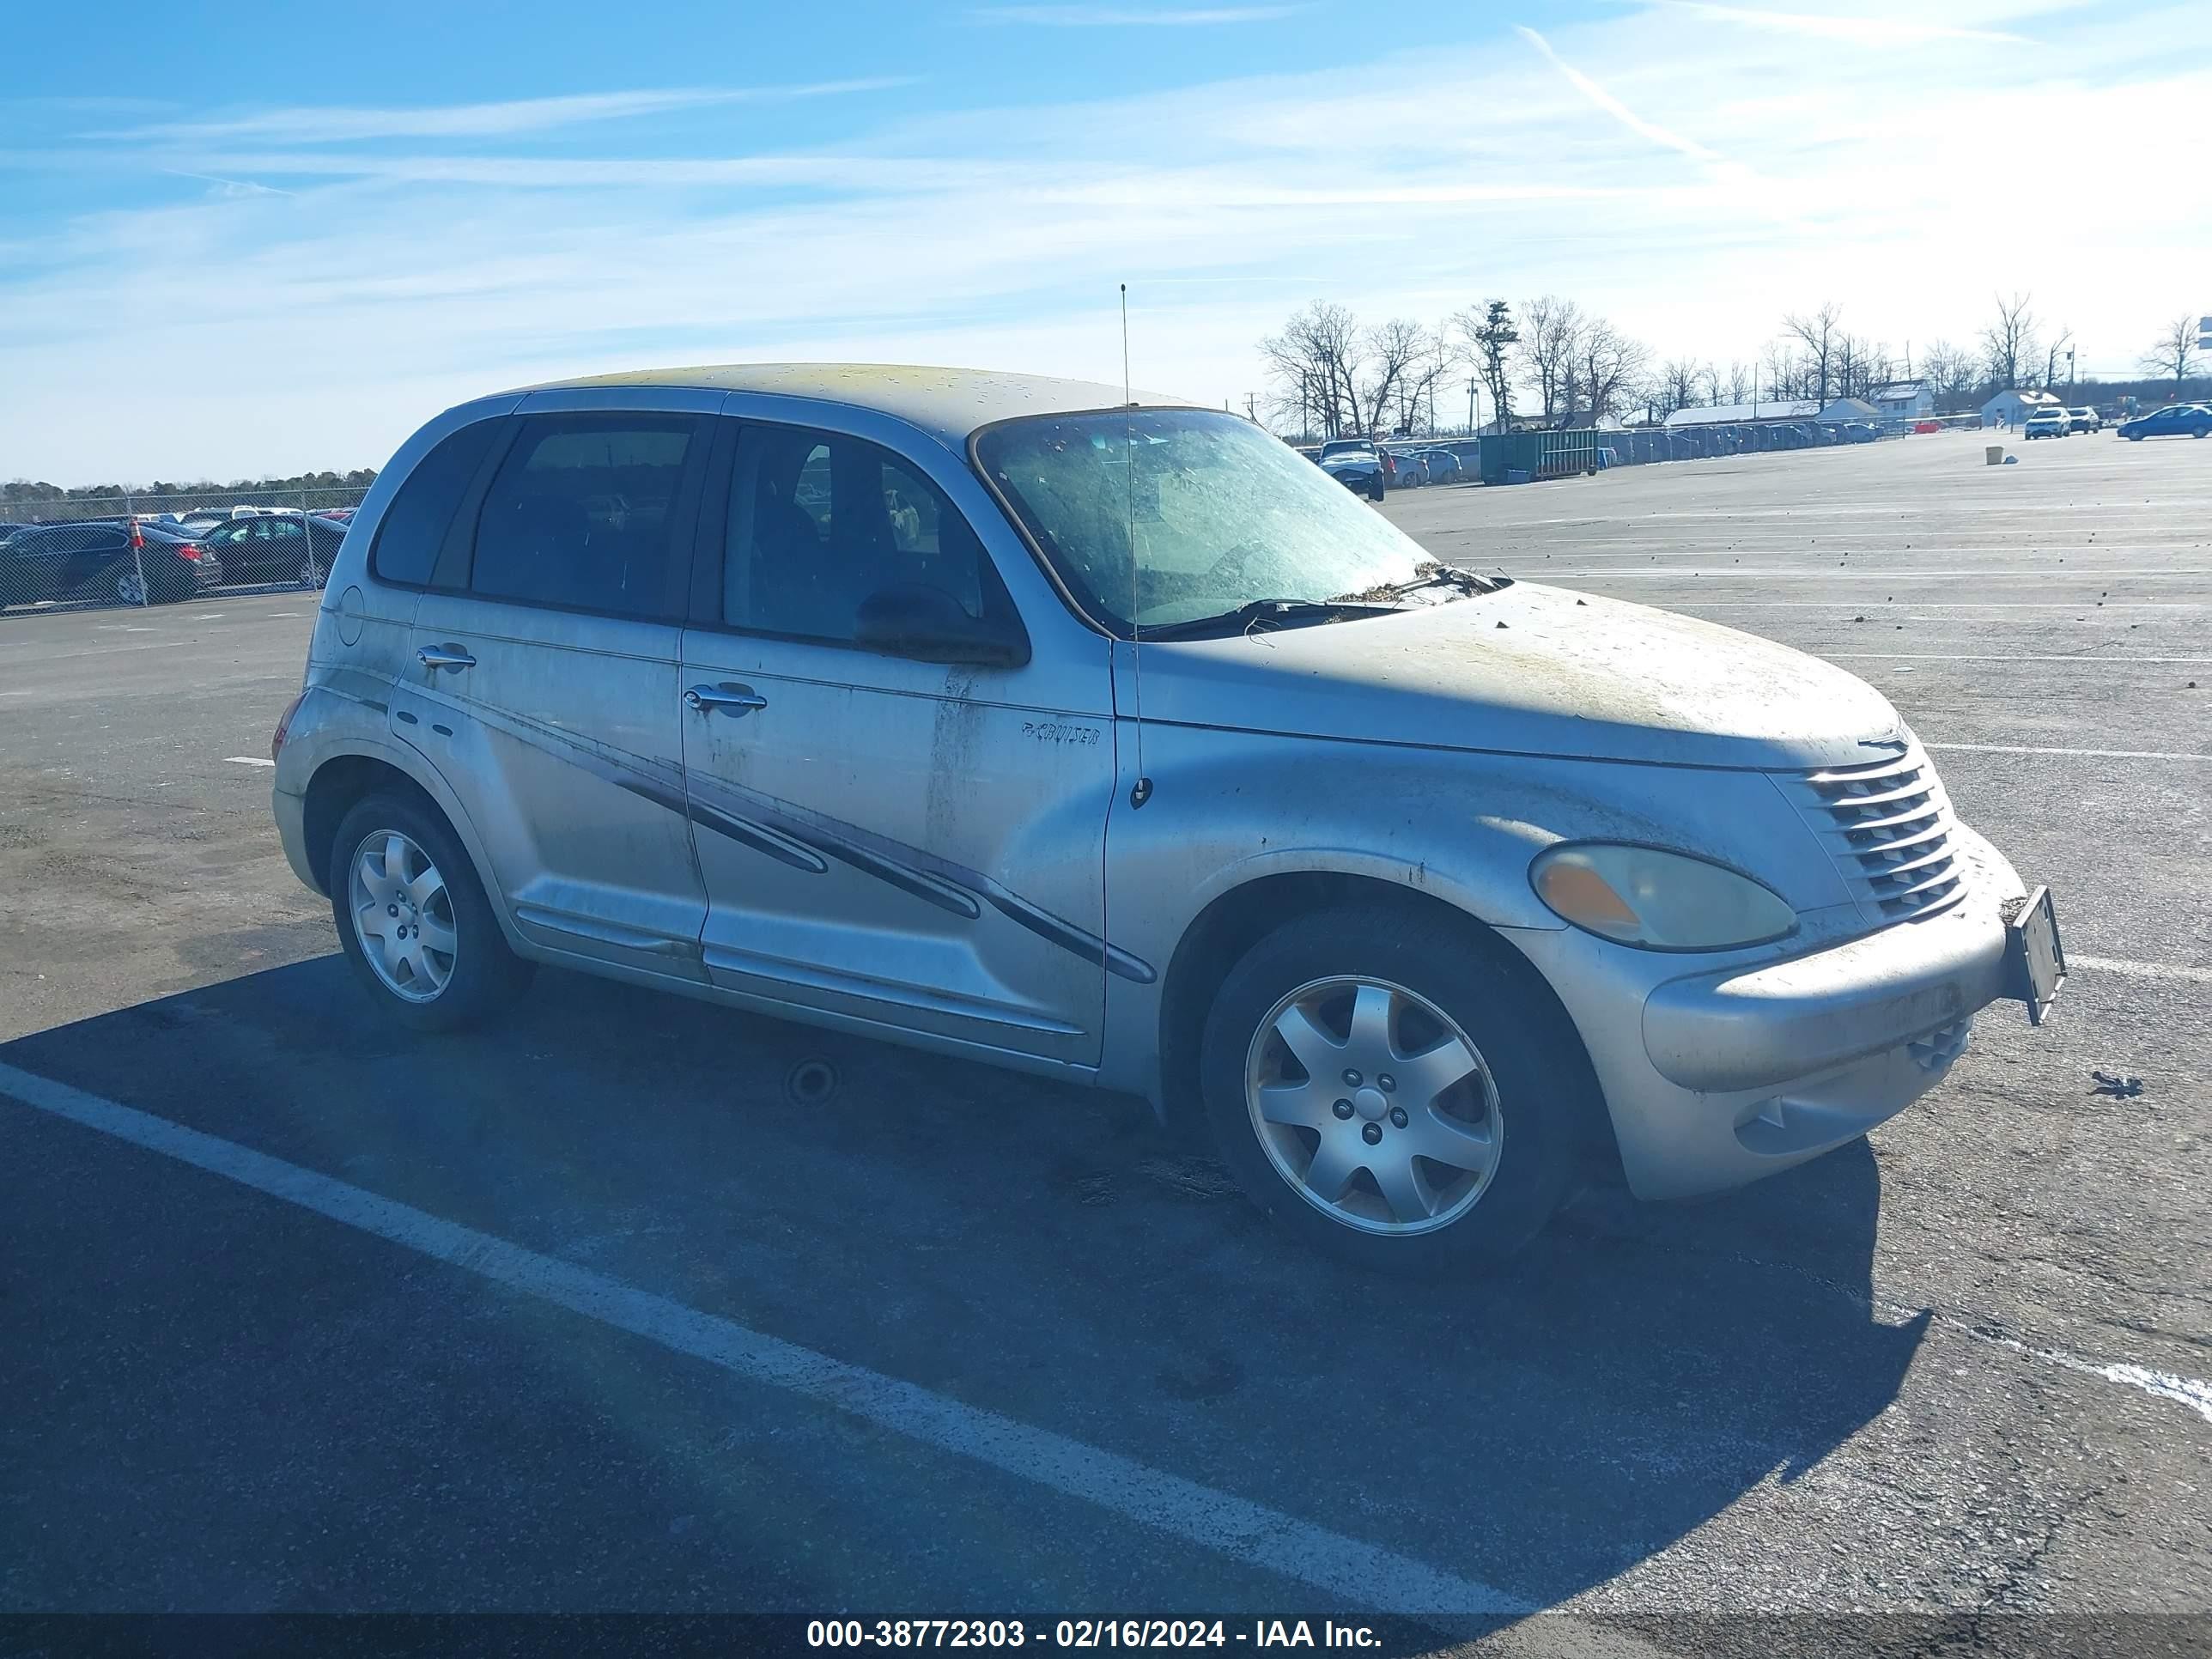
(581, 514)
(1162, 516)
(819, 523)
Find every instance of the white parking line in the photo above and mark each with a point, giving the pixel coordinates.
(1249, 1533)
(1947, 656)
(247, 760)
(2090, 754)
(2140, 969)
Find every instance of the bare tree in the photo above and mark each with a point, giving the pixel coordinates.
(2009, 343)
(1784, 372)
(1953, 375)
(1817, 335)
(1551, 329)
(1862, 365)
(1315, 365)
(1489, 337)
(2174, 353)
(1607, 364)
(1681, 385)
(1743, 381)
(1398, 354)
(2058, 348)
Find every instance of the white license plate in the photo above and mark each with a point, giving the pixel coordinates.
(2039, 960)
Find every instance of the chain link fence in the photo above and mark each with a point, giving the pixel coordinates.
(161, 549)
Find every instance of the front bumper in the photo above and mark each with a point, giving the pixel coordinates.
(1719, 1078)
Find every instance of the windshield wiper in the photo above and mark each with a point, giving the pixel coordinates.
(1291, 611)
(1467, 581)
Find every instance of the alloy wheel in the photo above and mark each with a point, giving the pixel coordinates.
(1373, 1105)
(403, 915)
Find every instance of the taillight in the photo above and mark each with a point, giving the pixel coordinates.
(188, 550)
(284, 725)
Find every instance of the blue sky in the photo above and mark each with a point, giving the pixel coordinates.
(243, 239)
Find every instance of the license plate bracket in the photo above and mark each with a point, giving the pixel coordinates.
(2035, 956)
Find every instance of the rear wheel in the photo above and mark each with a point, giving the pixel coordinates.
(1393, 1093)
(130, 587)
(413, 918)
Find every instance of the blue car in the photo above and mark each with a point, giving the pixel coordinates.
(2170, 422)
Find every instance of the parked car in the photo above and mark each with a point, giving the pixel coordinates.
(2084, 420)
(1356, 464)
(2195, 419)
(1714, 916)
(91, 559)
(1927, 426)
(276, 547)
(2047, 423)
(1407, 468)
(1443, 466)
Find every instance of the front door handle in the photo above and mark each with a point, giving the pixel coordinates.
(435, 657)
(731, 699)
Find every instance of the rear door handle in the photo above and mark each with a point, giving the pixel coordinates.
(435, 657)
(738, 700)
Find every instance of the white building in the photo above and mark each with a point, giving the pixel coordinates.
(1904, 400)
(1849, 408)
(2012, 408)
(1801, 408)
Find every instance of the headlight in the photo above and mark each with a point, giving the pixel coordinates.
(1656, 901)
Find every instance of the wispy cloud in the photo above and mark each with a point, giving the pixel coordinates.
(1612, 106)
(1861, 31)
(1087, 17)
(341, 125)
(231, 186)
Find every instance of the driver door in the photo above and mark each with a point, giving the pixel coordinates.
(886, 841)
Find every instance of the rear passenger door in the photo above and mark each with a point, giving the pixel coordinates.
(543, 678)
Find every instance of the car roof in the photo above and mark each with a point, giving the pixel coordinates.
(949, 403)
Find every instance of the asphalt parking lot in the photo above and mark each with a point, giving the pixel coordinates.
(956, 1342)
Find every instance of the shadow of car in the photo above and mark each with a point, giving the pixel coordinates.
(1637, 1374)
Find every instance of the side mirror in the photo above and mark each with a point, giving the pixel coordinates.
(928, 624)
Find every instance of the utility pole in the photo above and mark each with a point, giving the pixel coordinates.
(1251, 408)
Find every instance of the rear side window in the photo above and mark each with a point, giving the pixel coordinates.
(414, 525)
(583, 514)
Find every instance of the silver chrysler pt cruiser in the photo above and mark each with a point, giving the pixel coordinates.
(1107, 738)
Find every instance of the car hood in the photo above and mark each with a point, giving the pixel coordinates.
(1532, 669)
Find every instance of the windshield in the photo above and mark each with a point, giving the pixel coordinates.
(1162, 516)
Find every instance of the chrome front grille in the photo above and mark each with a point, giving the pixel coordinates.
(1888, 825)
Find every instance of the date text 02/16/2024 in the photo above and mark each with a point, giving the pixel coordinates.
(1082, 1633)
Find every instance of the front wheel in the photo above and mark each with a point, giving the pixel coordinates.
(1392, 1091)
(413, 919)
(1375, 490)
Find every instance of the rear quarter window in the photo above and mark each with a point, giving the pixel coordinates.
(414, 525)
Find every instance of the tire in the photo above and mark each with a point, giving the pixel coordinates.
(1376, 490)
(2199, 431)
(2132, 437)
(451, 988)
(1433, 976)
